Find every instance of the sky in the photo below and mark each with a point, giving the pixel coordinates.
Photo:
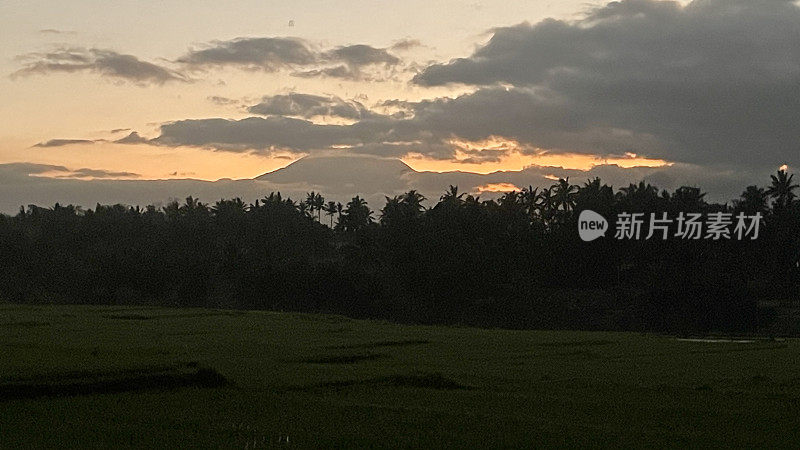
(99, 98)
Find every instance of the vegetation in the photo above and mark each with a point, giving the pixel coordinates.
(119, 377)
(512, 262)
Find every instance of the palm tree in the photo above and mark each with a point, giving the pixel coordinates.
(565, 194)
(450, 200)
(474, 200)
(402, 208)
(311, 202)
(272, 198)
(782, 190)
(546, 204)
(357, 215)
(392, 211)
(330, 210)
(303, 208)
(413, 200)
(451, 195)
(595, 196)
(509, 199)
(529, 197)
(753, 200)
(229, 208)
(688, 199)
(640, 197)
(319, 204)
(193, 208)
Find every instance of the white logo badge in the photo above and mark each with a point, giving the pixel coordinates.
(591, 225)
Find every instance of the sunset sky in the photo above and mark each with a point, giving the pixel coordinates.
(704, 92)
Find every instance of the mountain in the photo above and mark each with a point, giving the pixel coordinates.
(345, 174)
(338, 178)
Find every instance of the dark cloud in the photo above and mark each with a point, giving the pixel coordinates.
(96, 173)
(55, 31)
(405, 44)
(12, 171)
(271, 54)
(268, 54)
(307, 105)
(360, 55)
(254, 133)
(712, 86)
(132, 138)
(341, 71)
(105, 62)
(423, 127)
(222, 101)
(63, 142)
(713, 81)
(15, 172)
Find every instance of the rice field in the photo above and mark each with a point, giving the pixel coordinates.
(142, 377)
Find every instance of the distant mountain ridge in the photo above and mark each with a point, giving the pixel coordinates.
(355, 173)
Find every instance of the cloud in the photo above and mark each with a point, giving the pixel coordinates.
(96, 173)
(11, 171)
(360, 55)
(27, 172)
(107, 63)
(268, 54)
(405, 44)
(712, 81)
(222, 101)
(132, 138)
(425, 128)
(307, 106)
(55, 31)
(63, 142)
(271, 54)
(341, 71)
(496, 187)
(712, 84)
(253, 133)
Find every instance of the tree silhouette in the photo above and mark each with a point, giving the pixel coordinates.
(530, 198)
(753, 200)
(319, 204)
(451, 196)
(688, 199)
(339, 209)
(595, 196)
(641, 197)
(546, 205)
(564, 194)
(516, 261)
(356, 216)
(331, 210)
(782, 190)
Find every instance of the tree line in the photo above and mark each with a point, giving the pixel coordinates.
(515, 261)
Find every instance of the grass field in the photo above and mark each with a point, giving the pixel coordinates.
(128, 376)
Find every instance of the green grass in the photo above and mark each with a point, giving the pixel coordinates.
(92, 376)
